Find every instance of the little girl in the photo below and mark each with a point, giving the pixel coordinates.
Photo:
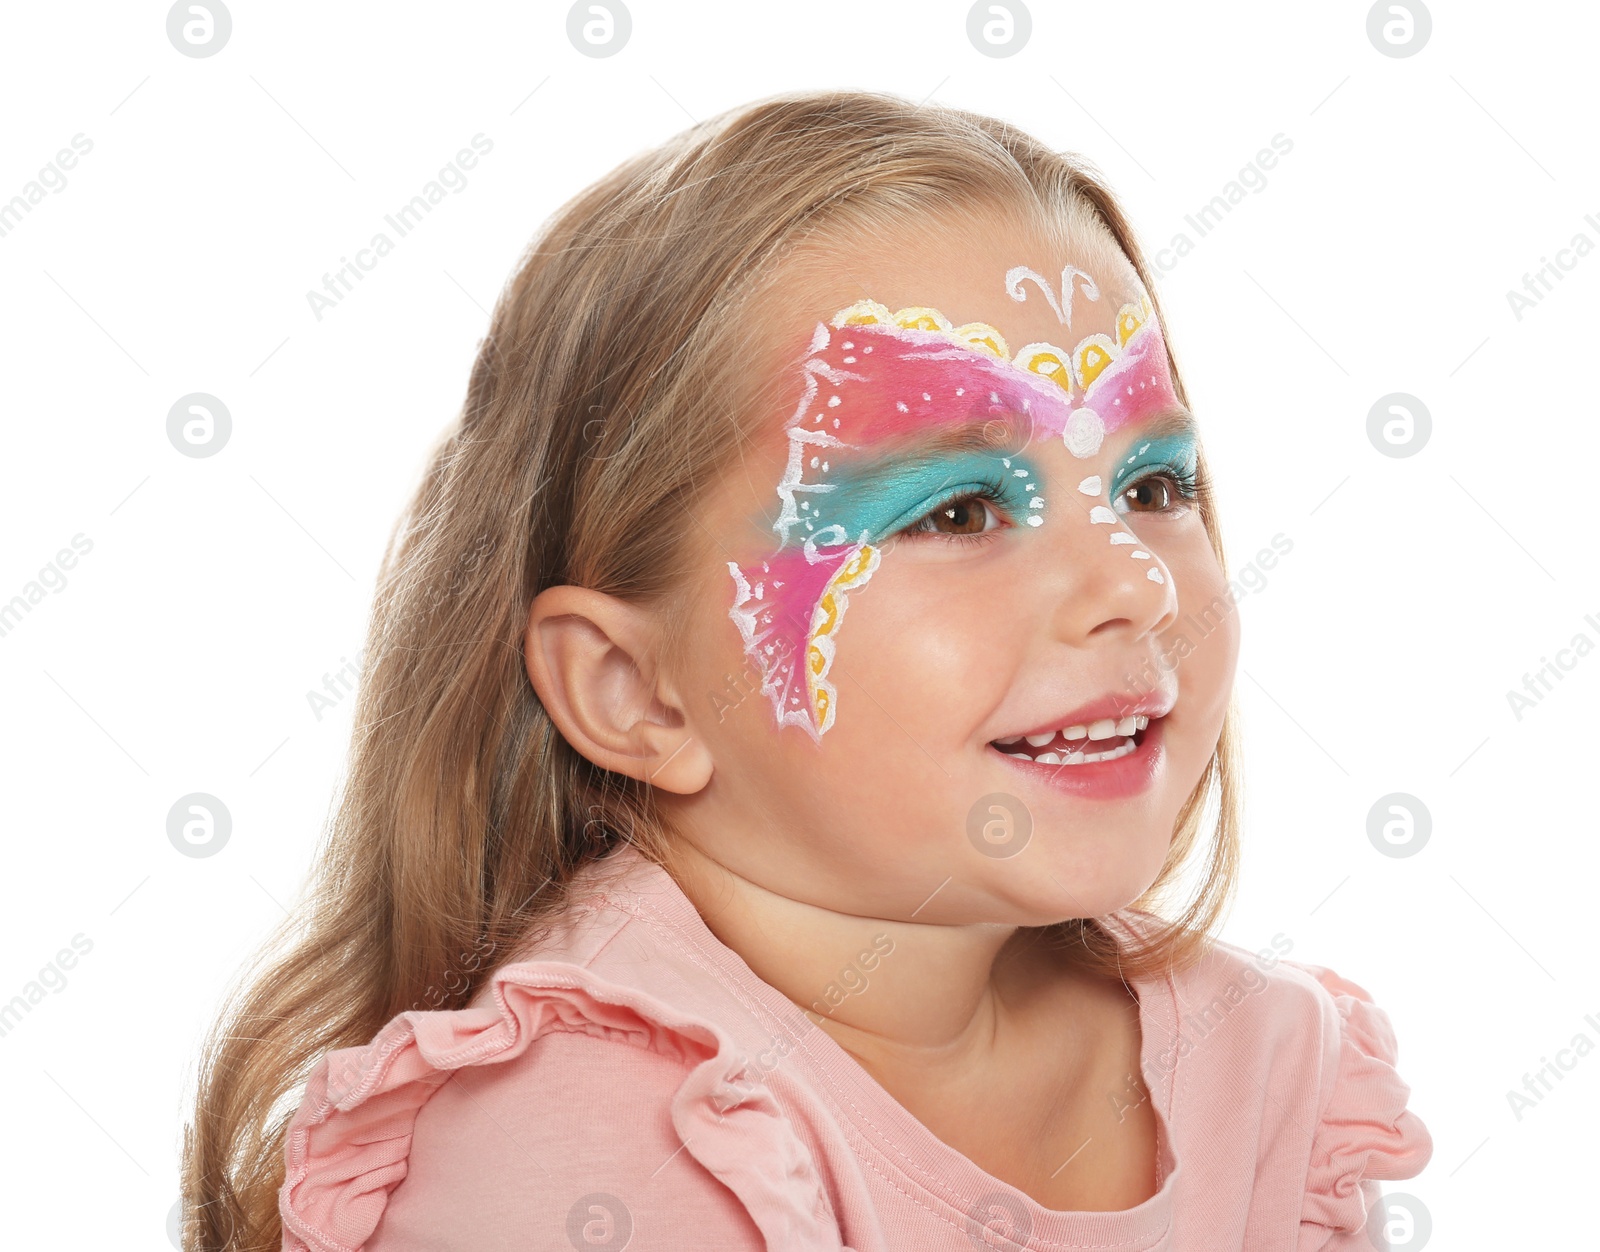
(795, 785)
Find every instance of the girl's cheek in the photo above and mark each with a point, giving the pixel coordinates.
(1208, 617)
(911, 622)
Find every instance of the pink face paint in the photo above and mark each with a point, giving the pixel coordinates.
(894, 408)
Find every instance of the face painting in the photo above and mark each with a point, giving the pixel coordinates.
(902, 412)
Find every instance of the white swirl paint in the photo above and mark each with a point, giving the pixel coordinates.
(1083, 433)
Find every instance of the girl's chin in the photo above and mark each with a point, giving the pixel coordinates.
(1082, 883)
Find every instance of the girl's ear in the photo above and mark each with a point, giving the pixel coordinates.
(590, 657)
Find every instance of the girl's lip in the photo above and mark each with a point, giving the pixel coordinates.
(1102, 780)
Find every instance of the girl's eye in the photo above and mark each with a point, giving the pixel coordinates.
(1151, 495)
(963, 518)
(1158, 493)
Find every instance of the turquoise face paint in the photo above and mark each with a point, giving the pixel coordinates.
(1175, 451)
(872, 502)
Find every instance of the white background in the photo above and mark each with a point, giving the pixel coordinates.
(218, 592)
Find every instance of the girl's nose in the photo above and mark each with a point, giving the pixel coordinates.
(1097, 574)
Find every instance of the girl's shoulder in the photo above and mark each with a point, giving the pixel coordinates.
(1313, 1056)
(585, 1092)
(1266, 1003)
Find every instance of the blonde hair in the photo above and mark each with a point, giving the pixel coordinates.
(592, 407)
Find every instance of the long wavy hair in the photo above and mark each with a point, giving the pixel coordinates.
(463, 814)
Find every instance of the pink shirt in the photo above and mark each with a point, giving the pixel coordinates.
(630, 1082)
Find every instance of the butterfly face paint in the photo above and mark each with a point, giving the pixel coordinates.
(902, 412)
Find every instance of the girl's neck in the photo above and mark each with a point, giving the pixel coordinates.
(925, 997)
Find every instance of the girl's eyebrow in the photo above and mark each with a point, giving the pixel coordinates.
(1003, 434)
(1007, 435)
(1171, 422)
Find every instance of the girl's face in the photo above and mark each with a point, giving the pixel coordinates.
(970, 518)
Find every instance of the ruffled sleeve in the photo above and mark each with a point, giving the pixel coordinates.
(1365, 1133)
(348, 1144)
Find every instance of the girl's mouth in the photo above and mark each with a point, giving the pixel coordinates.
(1121, 763)
(1106, 740)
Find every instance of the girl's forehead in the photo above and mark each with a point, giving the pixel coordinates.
(971, 322)
(1027, 286)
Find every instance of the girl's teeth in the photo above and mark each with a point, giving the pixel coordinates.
(1086, 758)
(1078, 755)
(1105, 728)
